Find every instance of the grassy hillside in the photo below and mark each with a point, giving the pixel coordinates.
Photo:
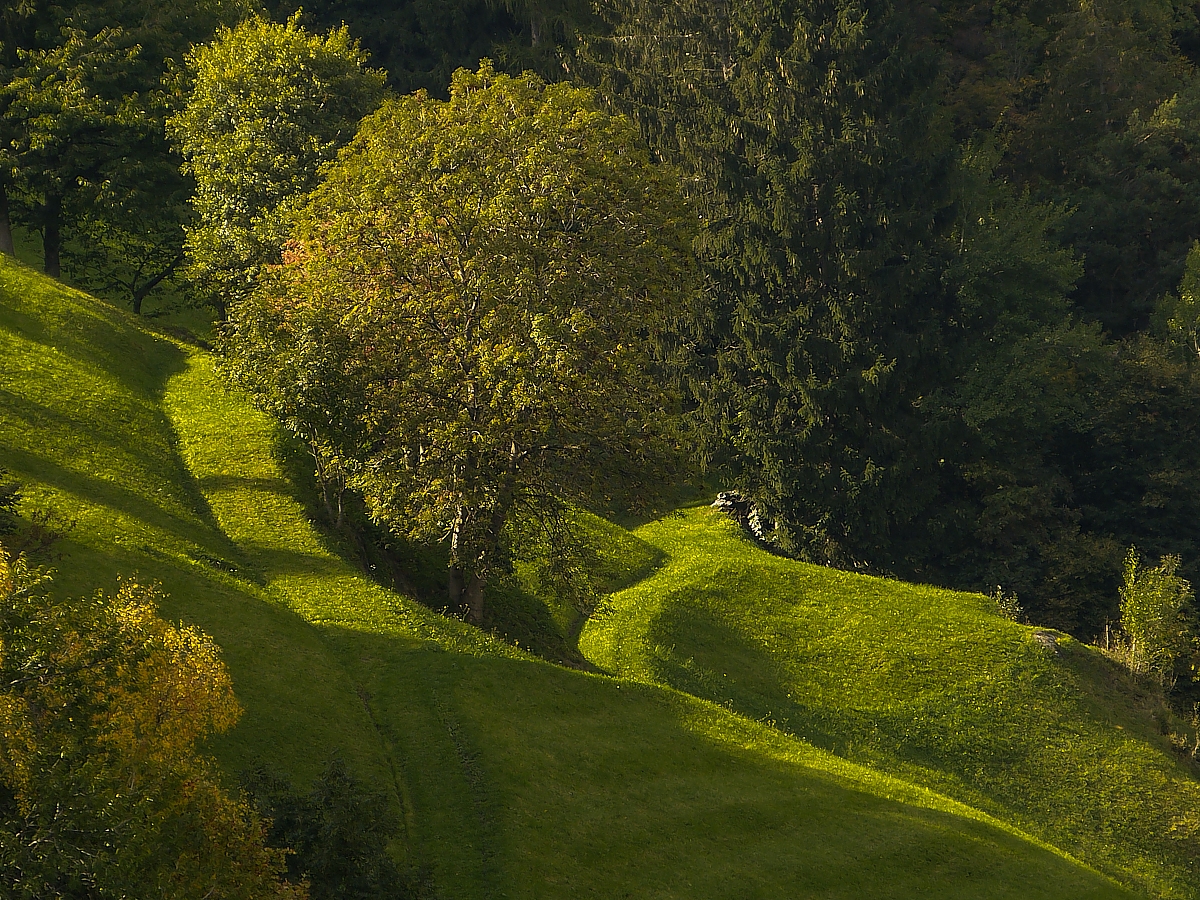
(515, 777)
(925, 683)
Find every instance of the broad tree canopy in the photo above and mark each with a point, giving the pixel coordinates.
(493, 277)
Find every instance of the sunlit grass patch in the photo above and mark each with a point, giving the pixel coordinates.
(926, 683)
(514, 777)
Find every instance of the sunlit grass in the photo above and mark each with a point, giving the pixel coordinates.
(926, 683)
(82, 425)
(515, 777)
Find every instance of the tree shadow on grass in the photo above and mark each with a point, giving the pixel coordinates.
(613, 787)
(96, 334)
(113, 436)
(103, 493)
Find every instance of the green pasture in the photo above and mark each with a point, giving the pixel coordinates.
(517, 777)
(928, 684)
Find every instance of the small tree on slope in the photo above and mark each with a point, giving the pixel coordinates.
(1152, 601)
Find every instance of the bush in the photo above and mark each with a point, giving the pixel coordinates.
(337, 835)
(1153, 600)
(103, 791)
(10, 496)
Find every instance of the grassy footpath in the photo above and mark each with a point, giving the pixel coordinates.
(925, 683)
(516, 777)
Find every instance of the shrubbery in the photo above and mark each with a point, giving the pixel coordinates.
(102, 792)
(337, 835)
(1153, 630)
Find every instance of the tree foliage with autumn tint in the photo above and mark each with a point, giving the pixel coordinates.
(484, 285)
(102, 792)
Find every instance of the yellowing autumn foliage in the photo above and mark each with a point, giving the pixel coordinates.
(102, 792)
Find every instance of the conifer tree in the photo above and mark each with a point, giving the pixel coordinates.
(807, 134)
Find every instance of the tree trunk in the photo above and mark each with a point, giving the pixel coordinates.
(143, 292)
(52, 236)
(473, 600)
(535, 27)
(466, 588)
(6, 238)
(455, 587)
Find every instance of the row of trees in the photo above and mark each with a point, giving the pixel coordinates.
(890, 357)
(947, 326)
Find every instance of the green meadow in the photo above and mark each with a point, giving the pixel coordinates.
(927, 684)
(751, 728)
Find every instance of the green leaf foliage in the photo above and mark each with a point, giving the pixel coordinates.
(1153, 599)
(1177, 316)
(1094, 104)
(269, 104)
(82, 150)
(484, 282)
(337, 834)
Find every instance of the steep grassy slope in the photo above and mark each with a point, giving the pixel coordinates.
(925, 683)
(516, 777)
(82, 425)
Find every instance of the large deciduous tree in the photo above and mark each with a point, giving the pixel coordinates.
(269, 104)
(492, 278)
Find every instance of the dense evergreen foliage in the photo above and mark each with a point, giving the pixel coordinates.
(806, 131)
(919, 356)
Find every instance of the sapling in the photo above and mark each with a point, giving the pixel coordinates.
(1152, 600)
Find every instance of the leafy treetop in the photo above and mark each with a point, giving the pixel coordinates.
(486, 279)
(269, 105)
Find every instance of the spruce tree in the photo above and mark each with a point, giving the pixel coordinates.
(808, 135)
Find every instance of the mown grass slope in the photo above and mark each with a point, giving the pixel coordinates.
(515, 777)
(925, 683)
